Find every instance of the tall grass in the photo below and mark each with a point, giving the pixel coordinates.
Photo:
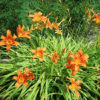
(51, 79)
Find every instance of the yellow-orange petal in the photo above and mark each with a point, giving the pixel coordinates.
(16, 43)
(33, 51)
(18, 72)
(17, 84)
(78, 81)
(14, 36)
(41, 59)
(34, 56)
(43, 49)
(23, 27)
(2, 43)
(74, 73)
(78, 87)
(71, 79)
(25, 83)
(38, 48)
(3, 37)
(26, 36)
(27, 69)
(77, 93)
(8, 47)
(9, 33)
(15, 77)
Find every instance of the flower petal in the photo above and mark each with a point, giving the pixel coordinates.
(16, 43)
(15, 77)
(8, 47)
(34, 56)
(78, 81)
(3, 37)
(17, 84)
(71, 79)
(77, 93)
(25, 83)
(14, 37)
(27, 70)
(9, 33)
(41, 59)
(2, 43)
(18, 72)
(33, 51)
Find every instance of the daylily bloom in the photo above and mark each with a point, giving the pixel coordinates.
(74, 86)
(36, 16)
(48, 24)
(9, 40)
(21, 79)
(29, 74)
(72, 67)
(38, 53)
(22, 33)
(96, 18)
(54, 57)
(58, 31)
(79, 58)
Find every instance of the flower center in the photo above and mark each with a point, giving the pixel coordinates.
(77, 62)
(73, 86)
(21, 79)
(20, 35)
(9, 42)
(39, 53)
(37, 18)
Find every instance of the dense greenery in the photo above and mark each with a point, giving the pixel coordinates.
(14, 12)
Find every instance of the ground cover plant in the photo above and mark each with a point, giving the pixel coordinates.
(42, 62)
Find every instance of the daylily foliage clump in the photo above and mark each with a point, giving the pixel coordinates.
(73, 63)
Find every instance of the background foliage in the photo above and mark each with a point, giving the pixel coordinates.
(14, 12)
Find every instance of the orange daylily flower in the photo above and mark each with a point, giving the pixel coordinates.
(96, 18)
(79, 58)
(9, 40)
(58, 31)
(22, 33)
(29, 74)
(54, 57)
(21, 79)
(72, 67)
(48, 24)
(38, 53)
(36, 16)
(74, 86)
